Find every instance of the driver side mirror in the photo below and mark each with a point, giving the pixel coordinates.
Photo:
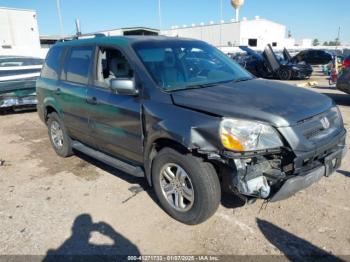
(124, 86)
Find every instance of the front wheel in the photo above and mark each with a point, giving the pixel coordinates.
(284, 74)
(187, 188)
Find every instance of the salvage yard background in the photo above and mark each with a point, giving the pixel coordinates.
(54, 205)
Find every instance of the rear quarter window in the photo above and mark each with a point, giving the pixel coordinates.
(77, 64)
(52, 65)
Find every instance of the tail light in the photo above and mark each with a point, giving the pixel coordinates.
(346, 63)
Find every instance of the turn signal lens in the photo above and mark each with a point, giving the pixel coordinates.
(230, 143)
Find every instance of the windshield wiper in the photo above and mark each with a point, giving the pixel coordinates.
(208, 84)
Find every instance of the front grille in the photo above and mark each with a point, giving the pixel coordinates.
(320, 126)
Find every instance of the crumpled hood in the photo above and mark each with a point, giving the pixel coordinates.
(268, 101)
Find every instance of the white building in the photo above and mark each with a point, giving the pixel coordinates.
(255, 33)
(129, 31)
(19, 34)
(304, 42)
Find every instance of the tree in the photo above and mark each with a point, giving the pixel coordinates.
(316, 42)
(337, 41)
(325, 43)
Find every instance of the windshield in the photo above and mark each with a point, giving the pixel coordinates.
(177, 65)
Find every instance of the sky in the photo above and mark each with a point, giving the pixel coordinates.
(304, 18)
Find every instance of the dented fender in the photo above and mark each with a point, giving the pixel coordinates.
(191, 129)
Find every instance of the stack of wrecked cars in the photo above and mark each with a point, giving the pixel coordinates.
(268, 65)
(17, 82)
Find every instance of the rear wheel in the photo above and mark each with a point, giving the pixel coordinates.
(284, 74)
(187, 188)
(59, 138)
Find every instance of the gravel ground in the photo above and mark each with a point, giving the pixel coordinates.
(50, 205)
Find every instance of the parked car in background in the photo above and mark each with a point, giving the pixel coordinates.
(312, 57)
(346, 62)
(269, 65)
(186, 117)
(17, 82)
(343, 81)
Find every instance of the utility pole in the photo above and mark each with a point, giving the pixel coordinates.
(159, 15)
(338, 38)
(221, 19)
(58, 5)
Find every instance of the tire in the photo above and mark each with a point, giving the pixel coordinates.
(284, 74)
(63, 148)
(201, 178)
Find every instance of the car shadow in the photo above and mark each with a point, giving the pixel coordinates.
(138, 184)
(329, 87)
(344, 173)
(79, 248)
(16, 112)
(293, 247)
(339, 99)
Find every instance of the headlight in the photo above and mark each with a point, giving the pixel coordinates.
(295, 68)
(243, 135)
(338, 119)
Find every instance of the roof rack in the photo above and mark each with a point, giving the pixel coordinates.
(82, 36)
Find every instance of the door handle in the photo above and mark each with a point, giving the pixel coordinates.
(58, 91)
(91, 100)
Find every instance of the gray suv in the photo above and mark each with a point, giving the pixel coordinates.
(187, 118)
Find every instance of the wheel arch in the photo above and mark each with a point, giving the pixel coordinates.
(50, 108)
(155, 146)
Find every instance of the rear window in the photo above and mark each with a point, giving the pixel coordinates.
(51, 67)
(77, 64)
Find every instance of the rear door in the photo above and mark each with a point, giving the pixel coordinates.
(115, 120)
(47, 83)
(71, 93)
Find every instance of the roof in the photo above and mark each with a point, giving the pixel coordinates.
(120, 40)
(131, 29)
(16, 9)
(224, 23)
(54, 37)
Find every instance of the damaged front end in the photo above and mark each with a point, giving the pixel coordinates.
(312, 149)
(258, 175)
(17, 94)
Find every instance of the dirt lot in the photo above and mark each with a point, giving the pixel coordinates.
(77, 205)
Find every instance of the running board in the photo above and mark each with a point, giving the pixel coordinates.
(111, 161)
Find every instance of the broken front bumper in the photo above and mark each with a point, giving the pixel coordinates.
(7, 102)
(302, 181)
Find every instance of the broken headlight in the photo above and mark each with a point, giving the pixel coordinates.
(243, 135)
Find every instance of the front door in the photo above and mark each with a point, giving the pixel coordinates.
(115, 120)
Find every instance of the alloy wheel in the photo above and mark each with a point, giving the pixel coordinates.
(56, 134)
(177, 187)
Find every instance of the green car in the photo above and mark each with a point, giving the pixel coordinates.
(17, 82)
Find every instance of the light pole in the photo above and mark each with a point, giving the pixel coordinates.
(58, 5)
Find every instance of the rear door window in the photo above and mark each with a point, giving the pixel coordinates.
(77, 64)
(51, 68)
